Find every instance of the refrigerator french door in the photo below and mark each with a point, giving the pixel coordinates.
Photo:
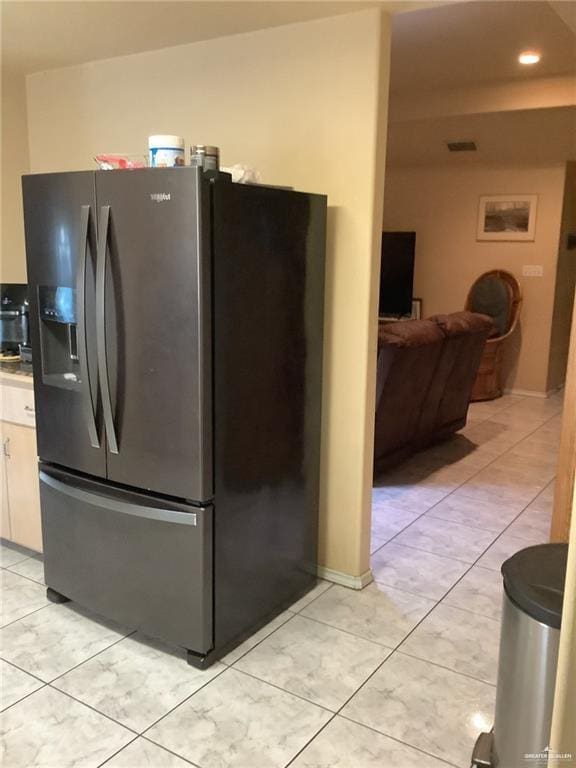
(119, 276)
(60, 219)
(119, 279)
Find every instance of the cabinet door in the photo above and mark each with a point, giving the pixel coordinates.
(22, 483)
(5, 532)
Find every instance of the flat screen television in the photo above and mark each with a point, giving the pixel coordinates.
(397, 273)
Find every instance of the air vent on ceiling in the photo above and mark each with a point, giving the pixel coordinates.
(461, 146)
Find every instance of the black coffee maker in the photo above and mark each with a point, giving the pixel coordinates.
(14, 329)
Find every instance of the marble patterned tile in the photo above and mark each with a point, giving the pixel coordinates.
(143, 754)
(319, 589)
(414, 496)
(237, 721)
(480, 591)
(541, 468)
(257, 637)
(521, 418)
(382, 502)
(31, 568)
(379, 613)
(474, 513)
(15, 684)
(459, 640)
(458, 451)
(535, 447)
(344, 744)
(533, 526)
(418, 572)
(314, 661)
(387, 521)
(51, 730)
(441, 537)
(494, 436)
(136, 681)
(376, 542)
(20, 597)
(503, 548)
(493, 484)
(426, 706)
(10, 554)
(52, 641)
(544, 502)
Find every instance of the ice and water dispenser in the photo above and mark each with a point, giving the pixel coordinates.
(58, 339)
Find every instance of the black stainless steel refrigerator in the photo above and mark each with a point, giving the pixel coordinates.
(177, 333)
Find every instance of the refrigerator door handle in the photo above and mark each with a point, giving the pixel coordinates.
(86, 390)
(103, 228)
(161, 514)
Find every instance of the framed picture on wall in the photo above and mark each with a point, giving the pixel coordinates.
(507, 217)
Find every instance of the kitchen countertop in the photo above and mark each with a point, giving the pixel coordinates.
(16, 371)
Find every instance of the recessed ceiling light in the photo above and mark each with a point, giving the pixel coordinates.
(529, 57)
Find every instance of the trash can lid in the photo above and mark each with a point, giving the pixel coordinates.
(534, 581)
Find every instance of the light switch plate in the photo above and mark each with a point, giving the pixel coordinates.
(532, 270)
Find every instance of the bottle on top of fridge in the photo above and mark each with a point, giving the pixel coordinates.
(205, 156)
(166, 151)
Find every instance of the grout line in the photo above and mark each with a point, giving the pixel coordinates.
(89, 706)
(43, 683)
(26, 615)
(468, 610)
(248, 650)
(307, 744)
(399, 741)
(31, 674)
(63, 674)
(36, 690)
(354, 634)
(443, 666)
(117, 752)
(328, 588)
(285, 690)
(171, 751)
(180, 703)
(34, 581)
(427, 551)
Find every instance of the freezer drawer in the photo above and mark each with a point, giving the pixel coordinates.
(139, 560)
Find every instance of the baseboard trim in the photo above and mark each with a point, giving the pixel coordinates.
(344, 579)
(531, 393)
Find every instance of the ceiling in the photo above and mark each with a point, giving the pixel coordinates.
(37, 36)
(478, 42)
(534, 137)
(463, 46)
(45, 35)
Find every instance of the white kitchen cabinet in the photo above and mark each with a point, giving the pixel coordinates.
(20, 518)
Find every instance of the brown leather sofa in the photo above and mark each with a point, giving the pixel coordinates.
(425, 373)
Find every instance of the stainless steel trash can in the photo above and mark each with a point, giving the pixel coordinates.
(529, 638)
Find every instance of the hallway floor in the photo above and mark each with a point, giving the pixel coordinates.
(401, 674)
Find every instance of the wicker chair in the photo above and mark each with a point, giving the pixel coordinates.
(497, 294)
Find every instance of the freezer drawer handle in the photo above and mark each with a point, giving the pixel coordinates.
(106, 502)
(86, 390)
(103, 227)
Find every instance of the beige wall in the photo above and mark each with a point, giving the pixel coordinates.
(14, 164)
(565, 286)
(305, 104)
(441, 205)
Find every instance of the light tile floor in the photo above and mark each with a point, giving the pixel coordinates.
(400, 675)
